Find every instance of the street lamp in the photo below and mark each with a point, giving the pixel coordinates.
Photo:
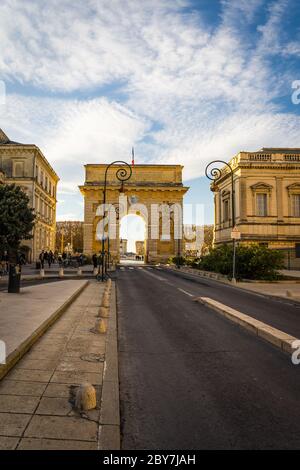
(214, 174)
(122, 174)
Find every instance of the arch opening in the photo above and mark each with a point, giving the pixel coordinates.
(133, 248)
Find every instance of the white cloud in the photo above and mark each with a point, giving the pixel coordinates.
(206, 90)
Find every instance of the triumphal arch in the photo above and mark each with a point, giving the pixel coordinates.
(154, 192)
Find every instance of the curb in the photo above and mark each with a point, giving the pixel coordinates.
(22, 349)
(109, 429)
(272, 335)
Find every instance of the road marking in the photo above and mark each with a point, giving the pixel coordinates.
(185, 292)
(155, 275)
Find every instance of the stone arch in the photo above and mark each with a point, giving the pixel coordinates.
(148, 185)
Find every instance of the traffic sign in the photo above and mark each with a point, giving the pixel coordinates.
(235, 233)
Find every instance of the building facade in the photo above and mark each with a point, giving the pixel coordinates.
(266, 201)
(26, 166)
(140, 247)
(123, 246)
(148, 185)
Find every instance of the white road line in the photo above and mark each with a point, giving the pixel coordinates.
(185, 292)
(155, 275)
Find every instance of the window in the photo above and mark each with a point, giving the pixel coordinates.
(226, 211)
(261, 205)
(18, 169)
(296, 205)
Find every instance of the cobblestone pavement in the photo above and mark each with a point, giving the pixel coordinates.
(36, 397)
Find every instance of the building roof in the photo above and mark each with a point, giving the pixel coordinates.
(4, 140)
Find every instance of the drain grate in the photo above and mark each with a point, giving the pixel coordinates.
(92, 357)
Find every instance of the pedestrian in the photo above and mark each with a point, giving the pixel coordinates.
(95, 260)
(4, 262)
(50, 258)
(42, 259)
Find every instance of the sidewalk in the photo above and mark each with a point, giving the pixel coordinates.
(286, 290)
(37, 396)
(290, 273)
(25, 316)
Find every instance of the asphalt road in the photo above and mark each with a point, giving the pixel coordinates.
(190, 379)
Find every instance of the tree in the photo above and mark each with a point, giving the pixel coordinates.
(16, 218)
(71, 232)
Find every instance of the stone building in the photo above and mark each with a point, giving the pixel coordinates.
(140, 247)
(123, 246)
(26, 166)
(147, 186)
(267, 200)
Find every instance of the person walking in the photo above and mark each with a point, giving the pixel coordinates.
(42, 259)
(5, 262)
(50, 258)
(95, 260)
(64, 258)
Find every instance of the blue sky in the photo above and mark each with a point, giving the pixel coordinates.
(185, 82)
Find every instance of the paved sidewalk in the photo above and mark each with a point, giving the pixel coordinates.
(286, 290)
(24, 316)
(36, 405)
(290, 272)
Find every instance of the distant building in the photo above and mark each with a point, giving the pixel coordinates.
(267, 201)
(123, 246)
(140, 247)
(26, 166)
(2, 177)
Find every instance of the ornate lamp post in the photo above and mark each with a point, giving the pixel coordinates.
(122, 174)
(214, 174)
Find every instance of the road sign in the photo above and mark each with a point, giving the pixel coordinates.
(235, 233)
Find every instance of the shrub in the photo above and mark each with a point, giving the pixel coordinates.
(252, 262)
(178, 260)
